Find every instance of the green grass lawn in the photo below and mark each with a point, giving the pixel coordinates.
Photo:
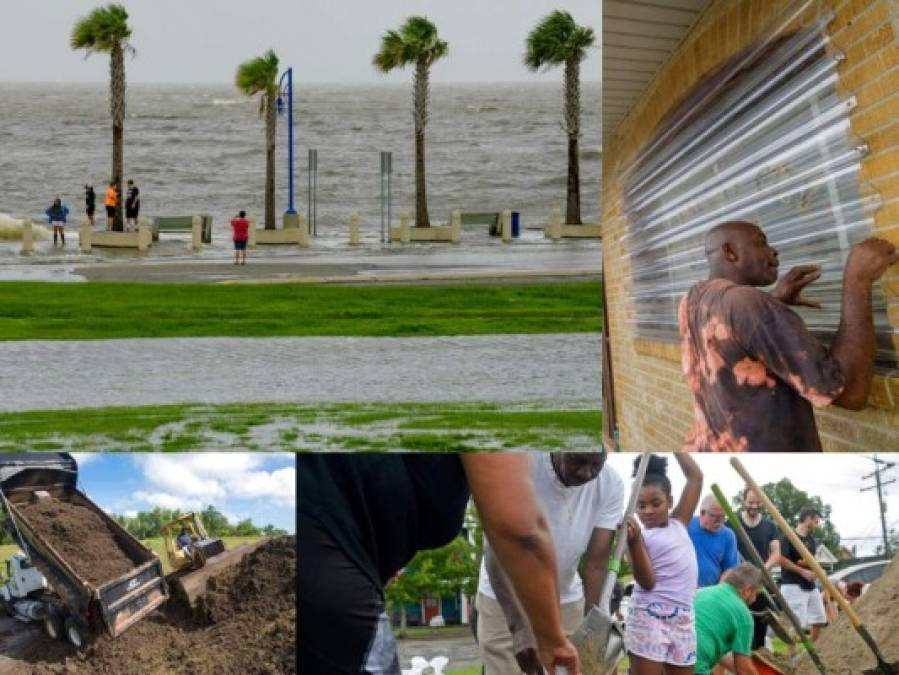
(279, 426)
(54, 311)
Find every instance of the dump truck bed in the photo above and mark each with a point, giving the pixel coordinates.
(114, 604)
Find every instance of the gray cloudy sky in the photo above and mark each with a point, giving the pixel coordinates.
(324, 40)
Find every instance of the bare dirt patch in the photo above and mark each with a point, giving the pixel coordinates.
(246, 625)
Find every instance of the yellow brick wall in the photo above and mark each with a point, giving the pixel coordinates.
(653, 405)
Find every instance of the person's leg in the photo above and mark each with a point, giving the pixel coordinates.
(681, 630)
(817, 617)
(760, 622)
(62, 234)
(671, 669)
(646, 640)
(494, 638)
(55, 233)
(236, 253)
(343, 627)
(798, 603)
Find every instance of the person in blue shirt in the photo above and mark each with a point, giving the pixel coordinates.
(184, 541)
(715, 545)
(56, 216)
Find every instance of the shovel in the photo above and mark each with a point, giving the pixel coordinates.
(772, 587)
(599, 639)
(883, 667)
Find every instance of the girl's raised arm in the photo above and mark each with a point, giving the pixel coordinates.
(689, 498)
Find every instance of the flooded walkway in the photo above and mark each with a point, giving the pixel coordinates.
(563, 369)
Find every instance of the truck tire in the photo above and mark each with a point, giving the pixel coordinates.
(74, 633)
(53, 625)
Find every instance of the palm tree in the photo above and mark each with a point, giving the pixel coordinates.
(415, 42)
(106, 29)
(260, 76)
(557, 40)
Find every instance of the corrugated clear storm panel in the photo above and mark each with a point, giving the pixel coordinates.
(765, 139)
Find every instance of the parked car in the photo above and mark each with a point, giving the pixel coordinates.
(866, 573)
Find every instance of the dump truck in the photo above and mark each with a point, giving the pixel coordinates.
(198, 558)
(71, 606)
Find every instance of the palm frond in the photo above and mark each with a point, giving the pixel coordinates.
(258, 75)
(556, 40)
(102, 30)
(416, 41)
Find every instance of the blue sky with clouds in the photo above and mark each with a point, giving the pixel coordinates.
(259, 486)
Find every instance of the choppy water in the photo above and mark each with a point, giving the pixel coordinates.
(200, 148)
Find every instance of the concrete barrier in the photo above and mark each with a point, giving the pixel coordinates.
(406, 233)
(27, 238)
(84, 236)
(196, 233)
(354, 229)
(506, 227)
(292, 235)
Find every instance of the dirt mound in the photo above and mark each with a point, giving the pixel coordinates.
(81, 537)
(246, 625)
(840, 646)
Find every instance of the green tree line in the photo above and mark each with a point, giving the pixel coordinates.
(148, 524)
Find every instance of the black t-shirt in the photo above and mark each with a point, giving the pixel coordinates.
(761, 537)
(382, 509)
(791, 554)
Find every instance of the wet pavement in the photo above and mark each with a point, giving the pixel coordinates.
(557, 368)
(328, 257)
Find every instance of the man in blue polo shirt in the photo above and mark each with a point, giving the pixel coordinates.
(715, 545)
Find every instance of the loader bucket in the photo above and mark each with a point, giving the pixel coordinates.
(190, 585)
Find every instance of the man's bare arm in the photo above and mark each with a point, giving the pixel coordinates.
(596, 563)
(854, 344)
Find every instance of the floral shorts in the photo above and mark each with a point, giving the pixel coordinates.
(662, 632)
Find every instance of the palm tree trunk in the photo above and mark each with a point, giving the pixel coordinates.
(572, 128)
(271, 121)
(117, 111)
(420, 104)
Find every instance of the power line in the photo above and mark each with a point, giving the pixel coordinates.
(881, 466)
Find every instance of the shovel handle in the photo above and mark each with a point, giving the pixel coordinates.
(798, 545)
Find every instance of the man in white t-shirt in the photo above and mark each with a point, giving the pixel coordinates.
(583, 503)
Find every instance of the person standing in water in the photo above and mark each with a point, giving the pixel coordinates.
(90, 202)
(661, 630)
(56, 216)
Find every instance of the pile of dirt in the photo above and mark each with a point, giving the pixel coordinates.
(246, 625)
(842, 649)
(81, 537)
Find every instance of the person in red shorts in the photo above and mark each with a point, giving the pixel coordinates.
(240, 228)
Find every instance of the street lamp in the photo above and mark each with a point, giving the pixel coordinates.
(280, 102)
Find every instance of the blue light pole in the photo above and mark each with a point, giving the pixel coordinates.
(289, 74)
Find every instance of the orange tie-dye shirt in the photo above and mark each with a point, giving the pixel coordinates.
(754, 370)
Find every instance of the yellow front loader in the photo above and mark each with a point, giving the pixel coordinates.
(194, 562)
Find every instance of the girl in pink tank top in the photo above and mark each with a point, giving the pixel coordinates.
(660, 624)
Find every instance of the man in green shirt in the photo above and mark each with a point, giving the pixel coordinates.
(724, 624)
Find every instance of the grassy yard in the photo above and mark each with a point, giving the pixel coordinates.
(278, 426)
(53, 311)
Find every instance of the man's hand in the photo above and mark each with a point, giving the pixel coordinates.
(789, 288)
(564, 655)
(870, 259)
(808, 575)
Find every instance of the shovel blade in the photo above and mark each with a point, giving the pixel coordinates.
(600, 643)
(883, 668)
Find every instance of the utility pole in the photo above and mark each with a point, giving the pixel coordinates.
(881, 466)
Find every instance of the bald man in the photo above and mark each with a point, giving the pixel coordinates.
(753, 367)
